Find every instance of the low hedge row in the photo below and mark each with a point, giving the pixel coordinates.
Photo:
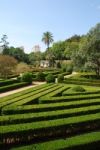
(8, 82)
(88, 83)
(47, 107)
(56, 92)
(79, 140)
(13, 86)
(12, 96)
(25, 98)
(69, 98)
(36, 78)
(50, 115)
(66, 93)
(64, 73)
(51, 128)
(54, 73)
(30, 99)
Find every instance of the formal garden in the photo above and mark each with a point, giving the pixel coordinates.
(52, 116)
(64, 112)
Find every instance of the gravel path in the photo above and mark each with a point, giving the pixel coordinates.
(21, 89)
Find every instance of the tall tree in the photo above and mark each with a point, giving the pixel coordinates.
(88, 55)
(35, 58)
(47, 38)
(18, 54)
(4, 45)
(50, 57)
(4, 41)
(58, 50)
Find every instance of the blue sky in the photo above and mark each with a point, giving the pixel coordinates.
(24, 21)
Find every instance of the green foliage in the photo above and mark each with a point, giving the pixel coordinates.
(14, 118)
(67, 68)
(87, 139)
(47, 38)
(77, 89)
(19, 54)
(50, 57)
(79, 81)
(88, 56)
(27, 77)
(56, 113)
(58, 50)
(13, 86)
(40, 76)
(50, 78)
(60, 78)
(8, 82)
(35, 58)
(31, 97)
(19, 128)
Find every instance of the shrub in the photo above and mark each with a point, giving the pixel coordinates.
(8, 82)
(40, 76)
(67, 68)
(60, 78)
(27, 77)
(77, 89)
(13, 86)
(50, 78)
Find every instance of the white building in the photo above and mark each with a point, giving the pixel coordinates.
(44, 63)
(36, 48)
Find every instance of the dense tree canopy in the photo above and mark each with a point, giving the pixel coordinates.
(35, 58)
(58, 49)
(7, 65)
(88, 55)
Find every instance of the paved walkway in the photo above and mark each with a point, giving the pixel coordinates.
(21, 89)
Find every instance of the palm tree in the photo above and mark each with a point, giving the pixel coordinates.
(47, 38)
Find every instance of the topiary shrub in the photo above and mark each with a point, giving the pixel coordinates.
(60, 78)
(40, 76)
(27, 77)
(77, 89)
(50, 78)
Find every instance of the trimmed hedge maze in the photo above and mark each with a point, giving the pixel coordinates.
(11, 84)
(50, 117)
